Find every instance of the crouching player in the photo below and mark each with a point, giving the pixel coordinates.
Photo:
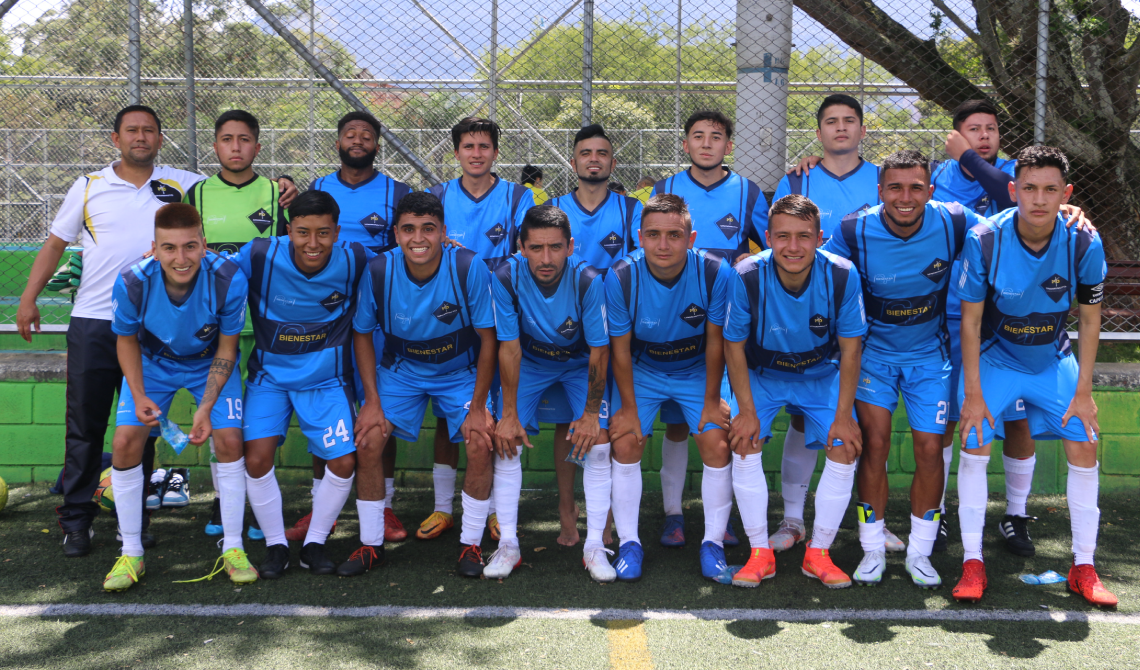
(1020, 274)
(433, 305)
(184, 308)
(666, 307)
(550, 315)
(794, 311)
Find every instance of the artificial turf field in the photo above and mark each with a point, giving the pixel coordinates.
(416, 612)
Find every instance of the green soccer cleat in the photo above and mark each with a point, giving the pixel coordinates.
(125, 574)
(236, 564)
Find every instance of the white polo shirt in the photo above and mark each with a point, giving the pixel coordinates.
(114, 222)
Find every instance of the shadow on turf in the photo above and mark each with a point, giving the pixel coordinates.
(1016, 640)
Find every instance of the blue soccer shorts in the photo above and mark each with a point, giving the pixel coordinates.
(815, 397)
(654, 389)
(161, 383)
(925, 391)
(404, 397)
(1016, 412)
(540, 389)
(326, 415)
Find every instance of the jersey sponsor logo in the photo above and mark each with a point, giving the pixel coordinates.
(333, 301)
(300, 338)
(612, 243)
(677, 350)
(207, 332)
(1011, 294)
(404, 319)
(497, 233)
(729, 225)
(818, 325)
(1056, 287)
(936, 270)
(982, 205)
(648, 322)
(883, 279)
(1034, 329)
(165, 192)
(777, 328)
(904, 311)
(693, 315)
(797, 362)
(568, 328)
(262, 219)
(283, 301)
(446, 312)
(374, 224)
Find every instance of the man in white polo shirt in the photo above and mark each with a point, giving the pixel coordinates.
(111, 213)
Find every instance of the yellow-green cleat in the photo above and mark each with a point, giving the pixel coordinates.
(127, 571)
(236, 565)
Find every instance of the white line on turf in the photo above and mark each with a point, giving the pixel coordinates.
(788, 615)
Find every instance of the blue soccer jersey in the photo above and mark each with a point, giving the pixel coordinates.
(184, 334)
(905, 280)
(952, 185)
(366, 209)
(835, 195)
(667, 322)
(429, 328)
(302, 325)
(795, 335)
(486, 225)
(556, 327)
(1028, 294)
(725, 215)
(605, 234)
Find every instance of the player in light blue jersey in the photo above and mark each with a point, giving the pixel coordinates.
(434, 307)
(1020, 276)
(793, 337)
(302, 291)
(666, 305)
(183, 308)
(550, 308)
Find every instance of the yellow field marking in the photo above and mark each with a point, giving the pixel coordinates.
(629, 646)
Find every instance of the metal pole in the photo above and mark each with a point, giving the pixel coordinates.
(338, 86)
(312, 99)
(5, 6)
(134, 54)
(191, 110)
(763, 49)
(1042, 70)
(677, 90)
(492, 82)
(587, 61)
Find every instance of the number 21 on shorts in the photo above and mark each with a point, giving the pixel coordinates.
(341, 431)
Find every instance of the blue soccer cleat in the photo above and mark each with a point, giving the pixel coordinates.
(730, 539)
(628, 564)
(713, 563)
(673, 534)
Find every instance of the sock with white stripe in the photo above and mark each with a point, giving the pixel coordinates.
(751, 491)
(831, 499)
(674, 463)
(626, 500)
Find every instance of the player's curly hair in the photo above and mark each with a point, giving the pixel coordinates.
(419, 203)
(1042, 156)
(797, 206)
(668, 203)
(177, 216)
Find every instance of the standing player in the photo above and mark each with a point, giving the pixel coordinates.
(794, 311)
(434, 307)
(301, 297)
(184, 308)
(728, 211)
(666, 307)
(550, 308)
(531, 178)
(644, 189)
(1020, 275)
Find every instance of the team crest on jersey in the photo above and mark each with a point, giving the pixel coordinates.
(207, 332)
(1056, 287)
(612, 244)
(568, 328)
(334, 300)
(693, 315)
(729, 225)
(497, 233)
(818, 324)
(262, 219)
(165, 192)
(374, 224)
(446, 312)
(936, 270)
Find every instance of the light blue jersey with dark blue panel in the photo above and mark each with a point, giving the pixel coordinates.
(1028, 294)
(181, 335)
(429, 327)
(302, 324)
(905, 280)
(725, 215)
(488, 224)
(667, 322)
(796, 335)
(555, 327)
(836, 196)
(367, 209)
(603, 235)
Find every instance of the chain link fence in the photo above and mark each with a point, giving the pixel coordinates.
(543, 70)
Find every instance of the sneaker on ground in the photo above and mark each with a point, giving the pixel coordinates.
(276, 562)
(922, 573)
(973, 583)
(493, 527)
(257, 535)
(393, 529)
(300, 529)
(214, 525)
(361, 561)
(943, 536)
(176, 494)
(435, 525)
(713, 563)
(628, 565)
(505, 559)
(595, 560)
(470, 560)
(870, 570)
(155, 488)
(788, 534)
(313, 558)
(125, 574)
(1084, 580)
(237, 566)
(78, 543)
(730, 538)
(673, 533)
(1015, 530)
(761, 565)
(818, 565)
(892, 541)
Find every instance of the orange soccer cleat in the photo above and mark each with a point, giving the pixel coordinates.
(818, 565)
(761, 565)
(973, 583)
(1084, 580)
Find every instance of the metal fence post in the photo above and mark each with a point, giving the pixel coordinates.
(6, 5)
(587, 61)
(191, 110)
(134, 54)
(1042, 70)
(763, 50)
(492, 83)
(677, 91)
(312, 96)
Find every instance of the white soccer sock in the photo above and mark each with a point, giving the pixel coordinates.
(947, 458)
(716, 492)
(831, 499)
(923, 533)
(231, 493)
(389, 491)
(626, 500)
(596, 482)
(674, 464)
(871, 535)
(505, 491)
(796, 468)
(330, 500)
(1082, 488)
(443, 477)
(973, 492)
(265, 499)
(751, 491)
(128, 487)
(474, 520)
(371, 513)
(1018, 481)
(316, 485)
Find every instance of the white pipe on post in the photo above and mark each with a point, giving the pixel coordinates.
(763, 49)
(1042, 71)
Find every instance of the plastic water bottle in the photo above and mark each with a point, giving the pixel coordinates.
(173, 434)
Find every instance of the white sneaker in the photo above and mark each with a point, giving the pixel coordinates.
(870, 570)
(790, 533)
(922, 573)
(596, 561)
(506, 558)
(893, 542)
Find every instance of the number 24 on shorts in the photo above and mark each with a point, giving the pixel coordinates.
(341, 432)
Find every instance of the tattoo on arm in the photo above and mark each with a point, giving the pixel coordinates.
(220, 371)
(597, 387)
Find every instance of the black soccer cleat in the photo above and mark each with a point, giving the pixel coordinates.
(361, 561)
(78, 543)
(313, 558)
(471, 561)
(276, 562)
(1015, 529)
(941, 540)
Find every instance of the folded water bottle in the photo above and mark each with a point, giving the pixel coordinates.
(173, 434)
(580, 462)
(1048, 577)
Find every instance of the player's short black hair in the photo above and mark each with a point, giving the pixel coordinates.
(238, 115)
(1040, 157)
(135, 108)
(717, 119)
(904, 160)
(971, 107)
(176, 216)
(590, 131)
(544, 216)
(358, 116)
(314, 203)
(530, 173)
(616, 187)
(668, 203)
(419, 203)
(475, 124)
(797, 206)
(646, 180)
(838, 99)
